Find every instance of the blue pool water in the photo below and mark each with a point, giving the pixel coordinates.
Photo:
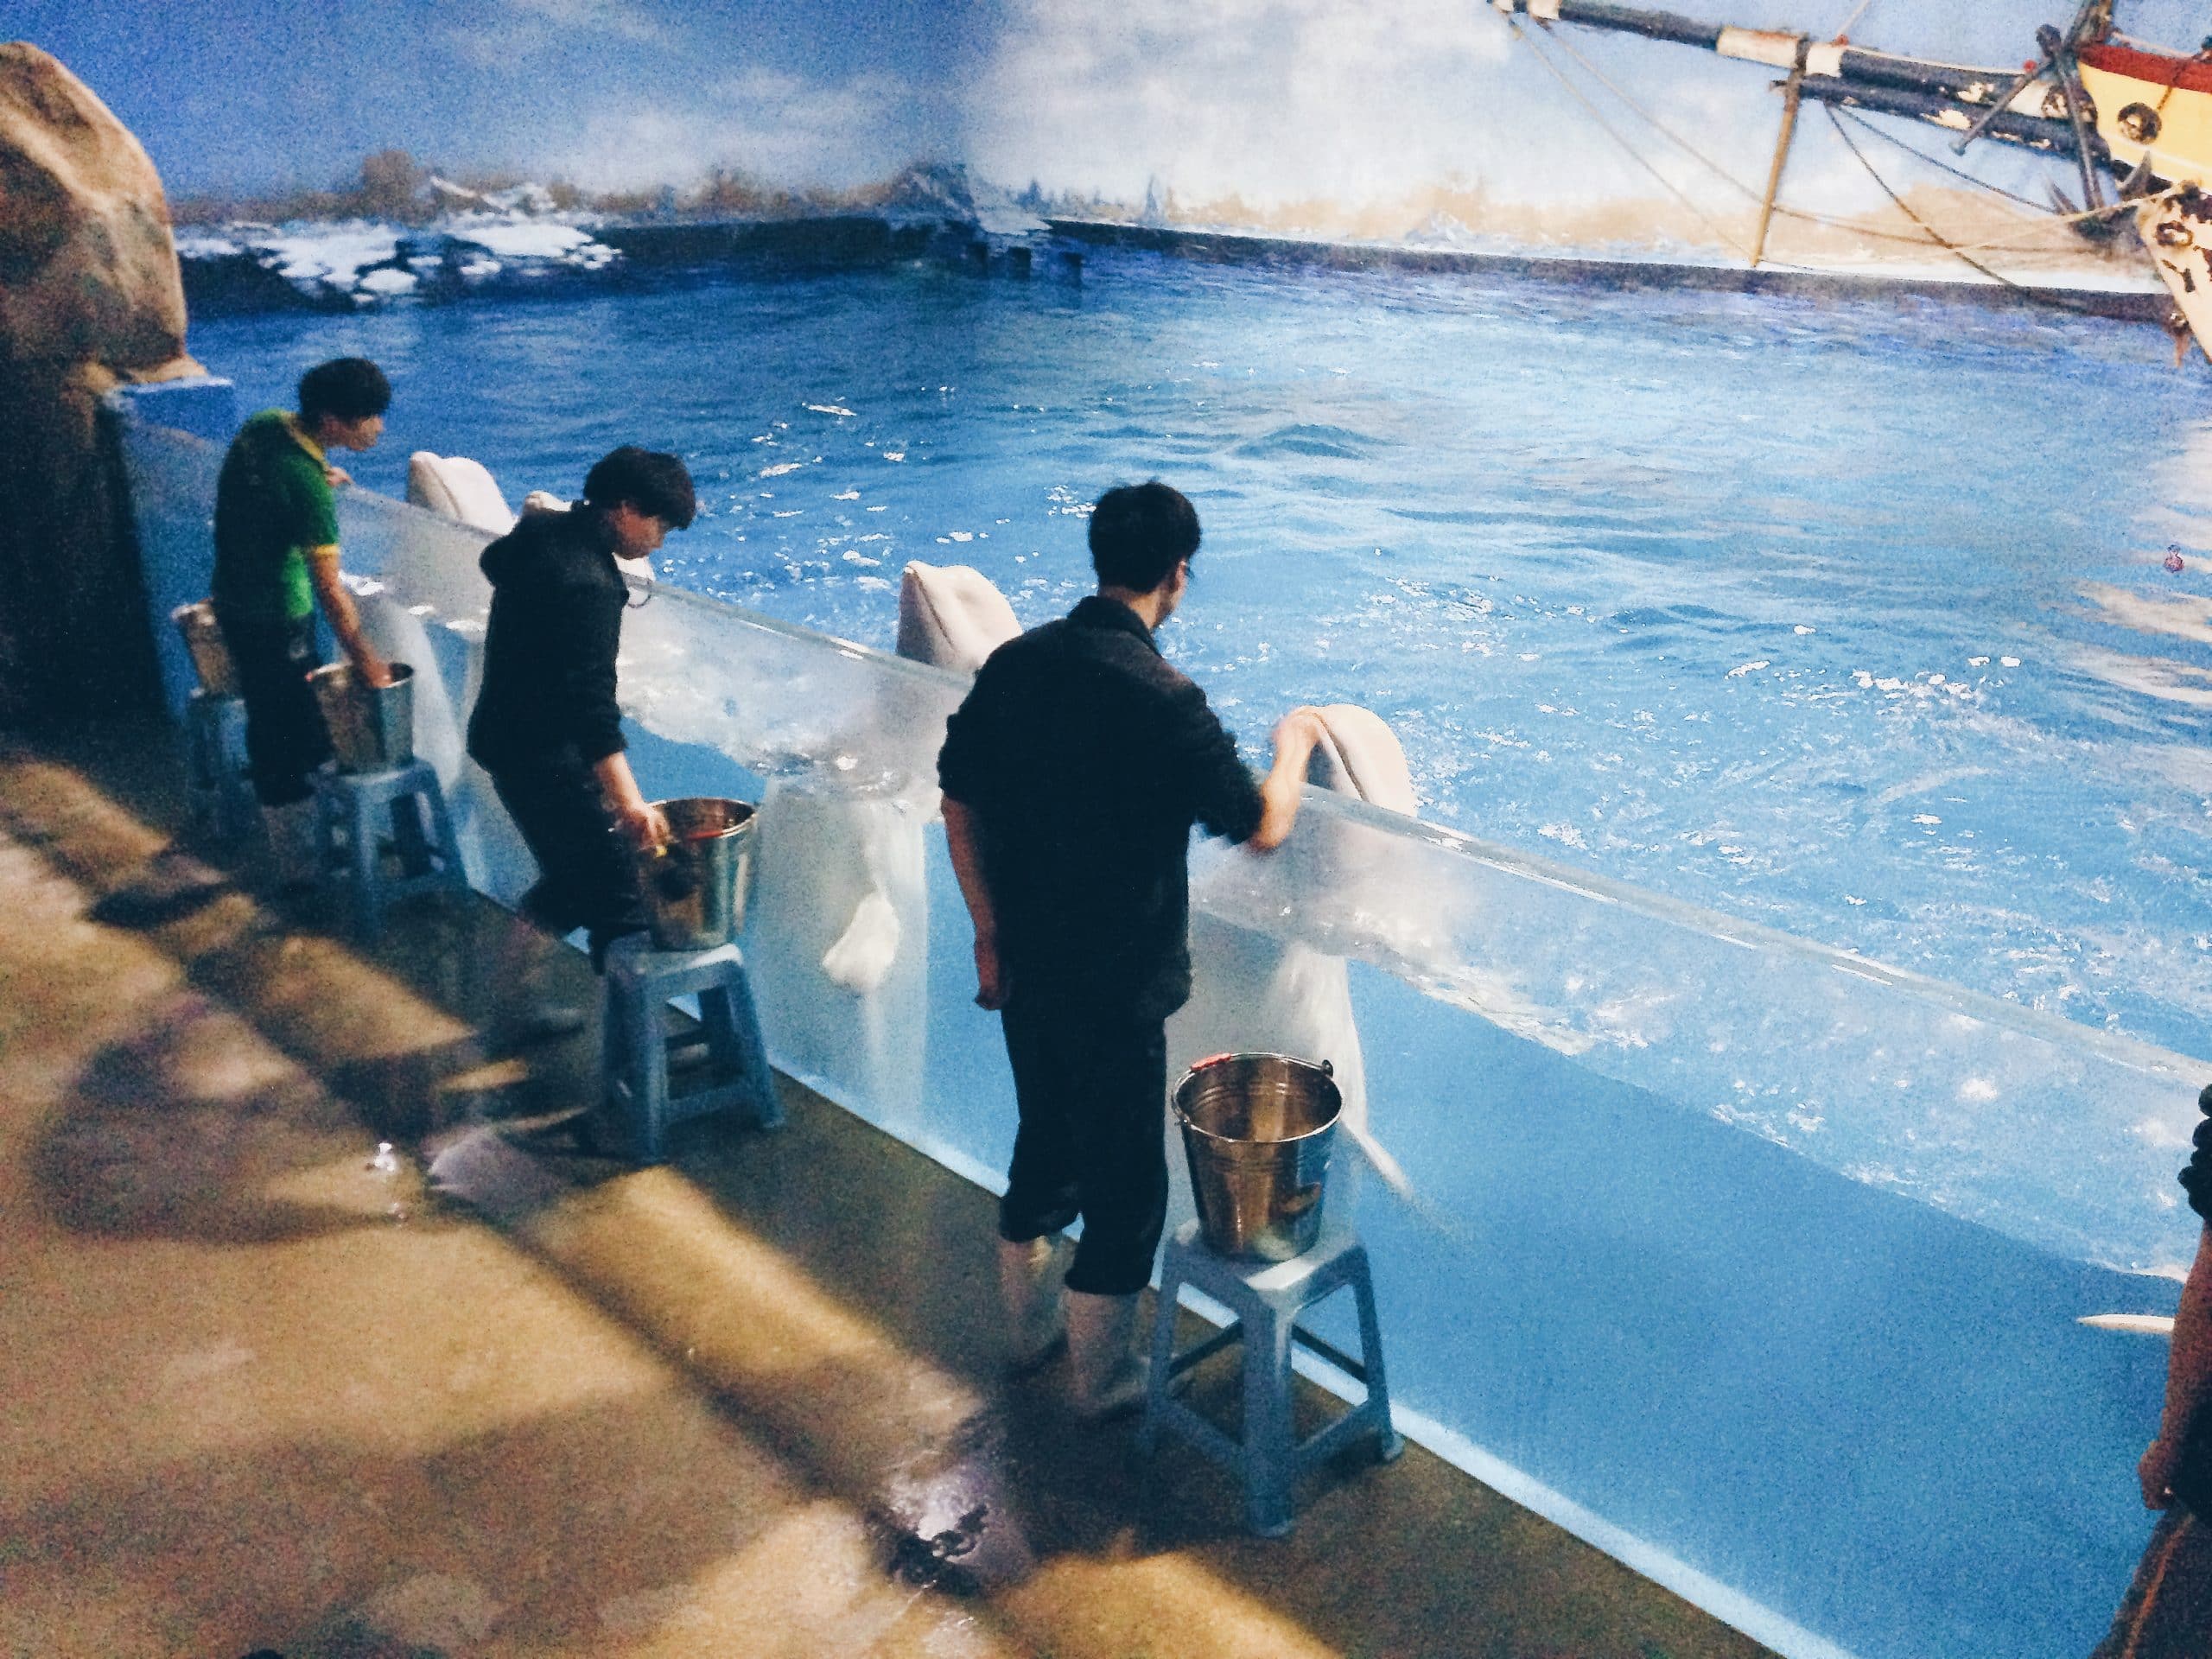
(1846, 618)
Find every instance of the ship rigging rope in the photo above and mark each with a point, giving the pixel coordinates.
(1782, 210)
(1633, 154)
(1857, 12)
(1998, 246)
(1960, 173)
(2041, 296)
(1833, 221)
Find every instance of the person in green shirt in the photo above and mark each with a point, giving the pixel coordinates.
(275, 560)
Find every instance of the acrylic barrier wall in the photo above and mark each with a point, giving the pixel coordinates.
(1757, 1263)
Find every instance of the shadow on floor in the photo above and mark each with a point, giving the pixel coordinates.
(831, 1288)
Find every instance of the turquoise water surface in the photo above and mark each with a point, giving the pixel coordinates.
(1849, 617)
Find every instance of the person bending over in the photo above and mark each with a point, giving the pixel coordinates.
(275, 560)
(546, 725)
(2167, 1613)
(1072, 775)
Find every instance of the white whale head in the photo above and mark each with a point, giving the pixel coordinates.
(459, 488)
(952, 616)
(1360, 756)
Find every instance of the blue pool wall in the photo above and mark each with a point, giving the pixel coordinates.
(1845, 1420)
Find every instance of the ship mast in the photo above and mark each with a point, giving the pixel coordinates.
(2010, 108)
(2141, 116)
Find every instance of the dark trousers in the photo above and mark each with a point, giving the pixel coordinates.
(1092, 1087)
(285, 739)
(586, 876)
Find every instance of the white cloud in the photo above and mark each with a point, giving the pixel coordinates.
(773, 128)
(617, 17)
(1280, 103)
(524, 27)
(1275, 100)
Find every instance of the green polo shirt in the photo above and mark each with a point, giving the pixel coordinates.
(273, 503)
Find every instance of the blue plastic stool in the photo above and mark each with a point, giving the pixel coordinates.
(354, 809)
(1267, 1298)
(223, 806)
(634, 1048)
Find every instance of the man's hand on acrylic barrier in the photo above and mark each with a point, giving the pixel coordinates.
(2156, 1471)
(339, 477)
(990, 977)
(1296, 735)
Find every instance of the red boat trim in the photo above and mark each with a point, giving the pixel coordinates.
(2190, 74)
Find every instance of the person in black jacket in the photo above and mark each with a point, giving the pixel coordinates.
(2167, 1613)
(546, 725)
(1072, 775)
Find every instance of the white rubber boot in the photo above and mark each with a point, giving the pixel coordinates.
(1029, 1289)
(1106, 1374)
(294, 840)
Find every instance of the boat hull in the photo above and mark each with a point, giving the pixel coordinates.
(2175, 94)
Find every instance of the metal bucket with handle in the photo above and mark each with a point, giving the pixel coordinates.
(1257, 1129)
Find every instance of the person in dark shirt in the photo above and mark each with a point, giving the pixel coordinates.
(2167, 1613)
(276, 562)
(546, 725)
(1072, 775)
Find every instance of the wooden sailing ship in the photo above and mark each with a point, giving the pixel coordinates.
(2134, 119)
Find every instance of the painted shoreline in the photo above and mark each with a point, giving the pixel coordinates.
(2147, 304)
(442, 265)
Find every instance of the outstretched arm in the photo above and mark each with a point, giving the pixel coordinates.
(964, 842)
(2188, 1378)
(345, 621)
(1296, 734)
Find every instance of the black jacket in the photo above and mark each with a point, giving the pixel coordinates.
(549, 656)
(1086, 760)
(2192, 1479)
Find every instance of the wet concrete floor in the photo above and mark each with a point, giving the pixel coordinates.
(324, 1335)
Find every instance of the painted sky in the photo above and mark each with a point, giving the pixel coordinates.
(1266, 100)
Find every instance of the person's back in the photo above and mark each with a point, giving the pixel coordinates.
(277, 561)
(2167, 1611)
(546, 725)
(550, 645)
(1072, 773)
(273, 501)
(1104, 756)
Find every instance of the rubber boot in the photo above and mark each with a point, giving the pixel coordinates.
(525, 1012)
(1106, 1374)
(294, 840)
(1029, 1290)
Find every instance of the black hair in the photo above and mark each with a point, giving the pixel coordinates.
(1140, 533)
(348, 387)
(657, 484)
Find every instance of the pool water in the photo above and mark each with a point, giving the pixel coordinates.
(1849, 617)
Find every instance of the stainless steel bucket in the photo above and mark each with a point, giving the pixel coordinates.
(372, 727)
(1257, 1128)
(695, 886)
(211, 657)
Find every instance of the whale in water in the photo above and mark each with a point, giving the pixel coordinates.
(459, 488)
(423, 568)
(951, 615)
(1255, 993)
(841, 905)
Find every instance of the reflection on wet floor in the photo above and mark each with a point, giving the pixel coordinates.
(328, 1335)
